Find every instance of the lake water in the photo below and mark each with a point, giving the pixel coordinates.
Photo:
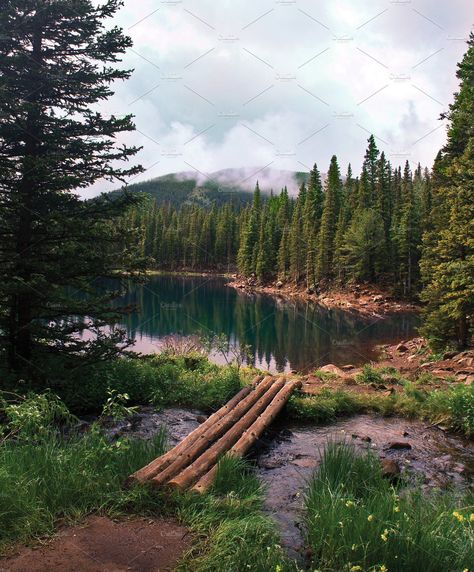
(282, 334)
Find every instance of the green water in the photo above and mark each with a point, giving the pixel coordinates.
(282, 334)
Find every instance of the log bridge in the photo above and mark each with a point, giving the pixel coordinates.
(231, 430)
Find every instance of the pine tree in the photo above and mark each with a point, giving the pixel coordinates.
(328, 221)
(56, 64)
(247, 257)
(448, 248)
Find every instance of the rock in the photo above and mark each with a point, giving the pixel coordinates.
(412, 358)
(309, 291)
(348, 367)
(398, 445)
(201, 418)
(305, 462)
(366, 438)
(441, 373)
(349, 380)
(469, 380)
(401, 347)
(378, 298)
(331, 368)
(279, 284)
(449, 355)
(390, 469)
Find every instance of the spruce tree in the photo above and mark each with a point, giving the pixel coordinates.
(57, 64)
(447, 263)
(328, 221)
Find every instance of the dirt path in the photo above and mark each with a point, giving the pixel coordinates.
(103, 545)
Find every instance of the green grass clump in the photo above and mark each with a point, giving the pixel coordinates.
(369, 375)
(357, 521)
(236, 536)
(324, 407)
(44, 479)
(162, 379)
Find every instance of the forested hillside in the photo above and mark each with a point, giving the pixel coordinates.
(365, 228)
(219, 188)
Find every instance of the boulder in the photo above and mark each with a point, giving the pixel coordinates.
(398, 445)
(401, 347)
(331, 368)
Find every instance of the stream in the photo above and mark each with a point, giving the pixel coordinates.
(288, 453)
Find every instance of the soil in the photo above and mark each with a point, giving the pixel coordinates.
(103, 545)
(363, 299)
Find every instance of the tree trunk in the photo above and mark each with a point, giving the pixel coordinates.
(252, 433)
(203, 463)
(165, 460)
(216, 430)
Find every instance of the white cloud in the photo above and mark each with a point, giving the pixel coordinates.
(287, 83)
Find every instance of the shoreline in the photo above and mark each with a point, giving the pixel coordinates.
(363, 299)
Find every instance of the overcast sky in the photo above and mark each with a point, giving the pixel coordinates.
(286, 83)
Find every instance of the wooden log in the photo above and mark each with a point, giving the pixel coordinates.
(252, 434)
(201, 465)
(187, 455)
(160, 463)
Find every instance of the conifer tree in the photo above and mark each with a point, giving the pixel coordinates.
(447, 263)
(328, 221)
(57, 63)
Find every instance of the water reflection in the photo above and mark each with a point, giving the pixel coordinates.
(282, 334)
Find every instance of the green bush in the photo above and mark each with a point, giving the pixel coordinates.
(356, 521)
(324, 407)
(455, 407)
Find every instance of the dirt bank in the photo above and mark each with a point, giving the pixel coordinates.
(104, 545)
(358, 298)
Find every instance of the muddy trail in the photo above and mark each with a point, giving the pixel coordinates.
(287, 455)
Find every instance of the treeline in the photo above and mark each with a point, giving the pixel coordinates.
(365, 228)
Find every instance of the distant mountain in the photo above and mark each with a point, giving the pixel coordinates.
(226, 185)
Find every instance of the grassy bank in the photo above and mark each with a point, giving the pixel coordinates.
(358, 522)
(64, 477)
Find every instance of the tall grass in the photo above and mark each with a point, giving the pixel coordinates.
(237, 537)
(357, 521)
(44, 480)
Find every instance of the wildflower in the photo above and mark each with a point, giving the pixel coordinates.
(356, 568)
(354, 546)
(383, 568)
(458, 515)
(471, 518)
(384, 536)
(278, 568)
(350, 504)
(370, 518)
(397, 509)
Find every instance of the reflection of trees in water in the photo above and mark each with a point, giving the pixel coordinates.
(292, 333)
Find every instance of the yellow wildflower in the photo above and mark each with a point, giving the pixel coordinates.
(350, 504)
(471, 518)
(458, 515)
(370, 518)
(354, 546)
(397, 509)
(383, 568)
(384, 536)
(356, 568)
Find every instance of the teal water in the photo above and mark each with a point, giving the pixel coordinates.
(282, 334)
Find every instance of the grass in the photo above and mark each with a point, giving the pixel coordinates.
(63, 478)
(453, 407)
(66, 479)
(236, 535)
(357, 521)
(162, 380)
